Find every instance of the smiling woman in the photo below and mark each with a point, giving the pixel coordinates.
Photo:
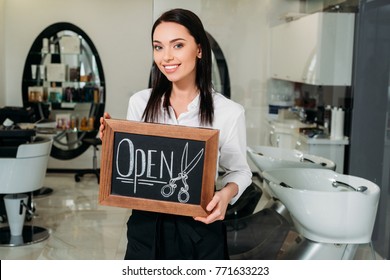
(181, 94)
(176, 54)
(197, 53)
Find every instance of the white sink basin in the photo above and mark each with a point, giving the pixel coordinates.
(266, 158)
(322, 212)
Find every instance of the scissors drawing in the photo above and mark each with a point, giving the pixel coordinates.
(183, 195)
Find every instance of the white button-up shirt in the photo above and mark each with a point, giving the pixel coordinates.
(229, 119)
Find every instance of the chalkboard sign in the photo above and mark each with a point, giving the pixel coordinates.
(158, 167)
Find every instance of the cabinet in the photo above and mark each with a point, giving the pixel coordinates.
(63, 80)
(333, 150)
(315, 49)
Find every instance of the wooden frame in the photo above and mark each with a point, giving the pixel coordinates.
(128, 150)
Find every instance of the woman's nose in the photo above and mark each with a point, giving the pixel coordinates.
(168, 55)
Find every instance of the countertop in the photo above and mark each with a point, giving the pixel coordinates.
(322, 140)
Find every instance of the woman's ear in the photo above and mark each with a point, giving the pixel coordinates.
(199, 55)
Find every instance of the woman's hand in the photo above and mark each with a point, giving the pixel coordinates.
(102, 124)
(219, 204)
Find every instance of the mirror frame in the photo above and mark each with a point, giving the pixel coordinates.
(34, 58)
(221, 64)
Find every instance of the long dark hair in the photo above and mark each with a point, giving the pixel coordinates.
(161, 85)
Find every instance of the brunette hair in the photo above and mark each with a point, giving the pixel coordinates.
(161, 85)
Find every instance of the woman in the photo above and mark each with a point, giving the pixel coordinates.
(182, 94)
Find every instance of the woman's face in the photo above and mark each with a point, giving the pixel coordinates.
(175, 52)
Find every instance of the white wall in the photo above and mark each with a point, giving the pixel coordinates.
(120, 30)
(2, 53)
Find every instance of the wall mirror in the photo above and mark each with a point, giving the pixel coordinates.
(220, 72)
(63, 81)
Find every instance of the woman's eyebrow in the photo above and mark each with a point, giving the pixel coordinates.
(171, 41)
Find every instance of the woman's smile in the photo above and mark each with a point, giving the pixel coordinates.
(171, 68)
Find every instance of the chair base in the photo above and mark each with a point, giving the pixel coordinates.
(42, 192)
(95, 142)
(30, 235)
(81, 173)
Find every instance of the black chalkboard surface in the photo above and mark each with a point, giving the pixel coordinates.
(156, 167)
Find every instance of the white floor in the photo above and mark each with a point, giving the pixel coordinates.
(80, 228)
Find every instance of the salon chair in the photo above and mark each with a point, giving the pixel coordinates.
(254, 235)
(34, 113)
(95, 143)
(246, 204)
(20, 175)
(259, 236)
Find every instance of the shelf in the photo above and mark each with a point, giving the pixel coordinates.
(54, 131)
(68, 85)
(34, 82)
(55, 53)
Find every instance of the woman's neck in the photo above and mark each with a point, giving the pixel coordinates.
(181, 97)
(184, 93)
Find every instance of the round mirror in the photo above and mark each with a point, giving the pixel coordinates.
(63, 81)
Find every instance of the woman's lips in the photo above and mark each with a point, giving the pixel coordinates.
(171, 68)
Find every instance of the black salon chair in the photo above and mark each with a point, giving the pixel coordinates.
(246, 204)
(95, 142)
(259, 236)
(254, 235)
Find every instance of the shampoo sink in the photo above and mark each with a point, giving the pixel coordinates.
(326, 206)
(266, 158)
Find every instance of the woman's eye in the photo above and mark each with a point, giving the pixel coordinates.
(178, 46)
(157, 48)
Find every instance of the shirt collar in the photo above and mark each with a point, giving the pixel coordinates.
(194, 104)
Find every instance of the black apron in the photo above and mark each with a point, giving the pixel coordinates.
(171, 237)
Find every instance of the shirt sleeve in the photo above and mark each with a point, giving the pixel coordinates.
(137, 104)
(233, 158)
